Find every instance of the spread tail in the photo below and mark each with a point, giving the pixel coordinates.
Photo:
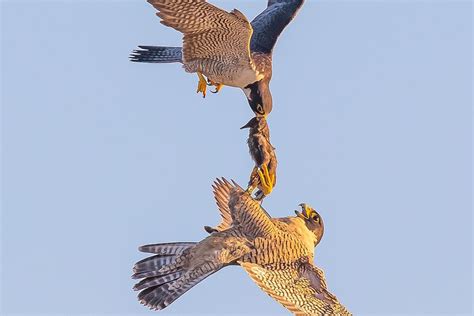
(157, 54)
(166, 275)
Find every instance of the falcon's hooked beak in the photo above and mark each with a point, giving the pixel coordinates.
(306, 211)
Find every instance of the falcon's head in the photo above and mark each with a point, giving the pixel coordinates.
(259, 97)
(313, 221)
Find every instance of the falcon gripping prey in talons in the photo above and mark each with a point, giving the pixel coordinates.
(263, 175)
(222, 47)
(277, 253)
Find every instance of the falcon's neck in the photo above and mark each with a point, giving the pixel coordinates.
(296, 225)
(263, 64)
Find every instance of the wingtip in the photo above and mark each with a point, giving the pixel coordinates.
(221, 182)
(234, 183)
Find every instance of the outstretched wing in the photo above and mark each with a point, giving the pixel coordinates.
(223, 190)
(249, 214)
(209, 32)
(299, 286)
(269, 24)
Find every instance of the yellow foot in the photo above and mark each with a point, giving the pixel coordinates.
(267, 181)
(218, 87)
(215, 84)
(202, 85)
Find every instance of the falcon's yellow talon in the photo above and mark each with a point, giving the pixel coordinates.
(215, 84)
(267, 181)
(202, 85)
(218, 87)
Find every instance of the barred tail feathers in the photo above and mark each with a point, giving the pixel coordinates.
(165, 276)
(157, 54)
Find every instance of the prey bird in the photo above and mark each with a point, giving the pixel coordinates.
(263, 175)
(277, 253)
(223, 46)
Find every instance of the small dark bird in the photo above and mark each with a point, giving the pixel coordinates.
(223, 46)
(277, 254)
(263, 175)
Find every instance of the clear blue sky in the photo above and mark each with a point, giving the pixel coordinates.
(371, 121)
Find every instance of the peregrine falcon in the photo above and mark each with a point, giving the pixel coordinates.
(223, 46)
(277, 254)
(263, 175)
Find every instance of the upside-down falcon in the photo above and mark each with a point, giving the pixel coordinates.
(223, 46)
(277, 253)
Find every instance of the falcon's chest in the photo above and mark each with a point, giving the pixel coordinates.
(234, 76)
(297, 229)
(279, 248)
(232, 72)
(246, 77)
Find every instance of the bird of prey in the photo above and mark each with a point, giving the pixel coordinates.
(263, 175)
(276, 253)
(223, 46)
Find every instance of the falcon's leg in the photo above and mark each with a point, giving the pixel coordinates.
(202, 84)
(267, 181)
(217, 85)
(253, 180)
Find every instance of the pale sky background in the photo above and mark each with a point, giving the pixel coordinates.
(371, 121)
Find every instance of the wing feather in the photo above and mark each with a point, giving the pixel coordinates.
(210, 33)
(237, 207)
(221, 189)
(269, 24)
(249, 214)
(300, 287)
